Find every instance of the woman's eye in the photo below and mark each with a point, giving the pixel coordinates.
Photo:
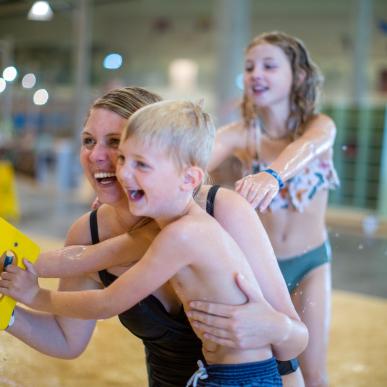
(114, 142)
(88, 142)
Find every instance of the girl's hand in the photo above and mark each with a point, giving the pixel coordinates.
(245, 326)
(22, 285)
(259, 190)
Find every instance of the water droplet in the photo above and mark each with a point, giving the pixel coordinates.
(344, 148)
(360, 247)
(337, 234)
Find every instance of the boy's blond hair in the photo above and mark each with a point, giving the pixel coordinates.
(181, 128)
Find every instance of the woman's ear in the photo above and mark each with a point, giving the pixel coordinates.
(192, 178)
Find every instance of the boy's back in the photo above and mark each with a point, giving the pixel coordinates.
(210, 259)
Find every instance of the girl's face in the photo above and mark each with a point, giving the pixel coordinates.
(268, 76)
(99, 152)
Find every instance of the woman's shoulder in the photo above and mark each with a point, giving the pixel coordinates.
(79, 231)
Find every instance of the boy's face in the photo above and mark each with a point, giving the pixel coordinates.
(149, 177)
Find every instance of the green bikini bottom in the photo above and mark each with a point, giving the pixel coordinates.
(296, 268)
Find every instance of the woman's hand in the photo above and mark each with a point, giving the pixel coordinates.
(259, 190)
(22, 285)
(245, 326)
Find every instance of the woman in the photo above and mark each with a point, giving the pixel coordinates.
(167, 336)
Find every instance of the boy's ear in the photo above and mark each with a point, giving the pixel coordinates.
(192, 178)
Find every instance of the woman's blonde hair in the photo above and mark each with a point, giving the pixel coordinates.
(306, 85)
(125, 101)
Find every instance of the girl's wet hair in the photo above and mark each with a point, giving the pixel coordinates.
(307, 81)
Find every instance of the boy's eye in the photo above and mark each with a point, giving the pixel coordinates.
(120, 159)
(140, 164)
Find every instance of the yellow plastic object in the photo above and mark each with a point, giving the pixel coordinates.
(9, 207)
(15, 244)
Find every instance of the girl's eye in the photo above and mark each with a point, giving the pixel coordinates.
(88, 142)
(270, 66)
(249, 68)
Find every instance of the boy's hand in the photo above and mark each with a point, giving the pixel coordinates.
(22, 285)
(237, 326)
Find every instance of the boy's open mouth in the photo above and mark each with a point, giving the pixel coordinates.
(136, 195)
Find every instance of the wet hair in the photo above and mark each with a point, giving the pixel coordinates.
(306, 85)
(125, 101)
(181, 128)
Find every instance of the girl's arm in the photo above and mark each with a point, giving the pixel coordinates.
(227, 140)
(261, 188)
(247, 325)
(78, 260)
(162, 260)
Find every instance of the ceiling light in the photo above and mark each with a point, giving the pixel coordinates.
(40, 11)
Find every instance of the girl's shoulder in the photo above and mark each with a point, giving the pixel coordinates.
(320, 121)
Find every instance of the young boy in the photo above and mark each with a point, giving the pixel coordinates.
(163, 156)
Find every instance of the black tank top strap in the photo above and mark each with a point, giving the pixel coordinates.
(210, 206)
(94, 227)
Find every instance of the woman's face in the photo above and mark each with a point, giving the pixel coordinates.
(268, 75)
(100, 139)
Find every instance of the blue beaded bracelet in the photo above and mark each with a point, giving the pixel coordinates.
(276, 176)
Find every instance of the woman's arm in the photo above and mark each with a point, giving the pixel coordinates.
(54, 335)
(260, 189)
(239, 219)
(79, 260)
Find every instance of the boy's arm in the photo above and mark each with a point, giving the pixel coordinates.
(162, 260)
(260, 189)
(78, 260)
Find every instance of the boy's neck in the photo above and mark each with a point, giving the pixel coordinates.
(179, 209)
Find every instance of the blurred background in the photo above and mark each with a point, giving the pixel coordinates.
(57, 56)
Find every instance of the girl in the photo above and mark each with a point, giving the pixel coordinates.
(285, 147)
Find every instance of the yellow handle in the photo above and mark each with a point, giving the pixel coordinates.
(14, 246)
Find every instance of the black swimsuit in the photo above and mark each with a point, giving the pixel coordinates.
(172, 348)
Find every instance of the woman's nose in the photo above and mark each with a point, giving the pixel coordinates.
(99, 153)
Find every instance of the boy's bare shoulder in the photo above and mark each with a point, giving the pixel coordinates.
(188, 230)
